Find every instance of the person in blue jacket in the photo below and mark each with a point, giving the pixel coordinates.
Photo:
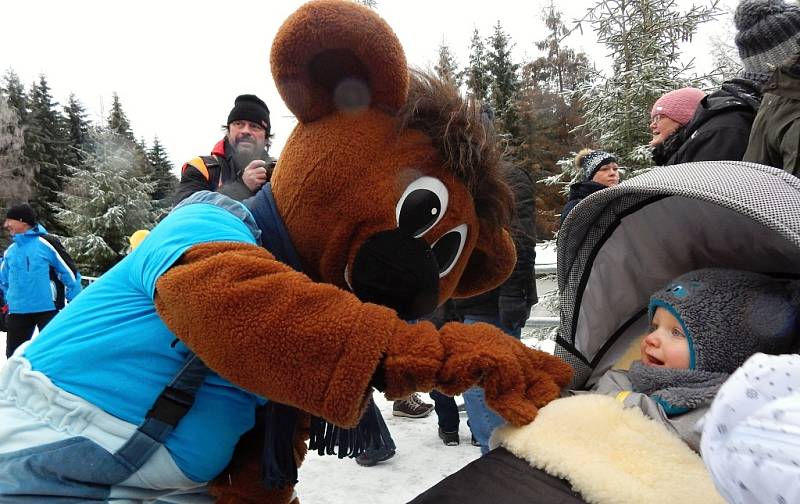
(31, 269)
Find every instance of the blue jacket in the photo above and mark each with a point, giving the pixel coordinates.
(135, 355)
(25, 273)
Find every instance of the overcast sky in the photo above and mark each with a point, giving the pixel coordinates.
(177, 65)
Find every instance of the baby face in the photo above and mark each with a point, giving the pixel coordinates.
(665, 344)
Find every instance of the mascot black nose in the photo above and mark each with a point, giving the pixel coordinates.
(399, 271)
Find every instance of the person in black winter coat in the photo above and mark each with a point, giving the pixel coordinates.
(599, 169)
(768, 34)
(718, 130)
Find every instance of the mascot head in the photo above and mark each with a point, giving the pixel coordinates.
(390, 183)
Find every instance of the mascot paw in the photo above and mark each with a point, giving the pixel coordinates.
(517, 380)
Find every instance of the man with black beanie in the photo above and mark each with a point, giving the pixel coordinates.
(239, 164)
(36, 274)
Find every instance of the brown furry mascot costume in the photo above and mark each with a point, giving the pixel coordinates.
(387, 200)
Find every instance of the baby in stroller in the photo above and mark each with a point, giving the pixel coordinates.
(620, 247)
(703, 326)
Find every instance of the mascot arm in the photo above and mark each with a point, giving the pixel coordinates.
(277, 333)
(271, 330)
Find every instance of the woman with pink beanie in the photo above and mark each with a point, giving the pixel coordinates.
(669, 114)
(688, 125)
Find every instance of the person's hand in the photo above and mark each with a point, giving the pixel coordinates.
(255, 175)
(513, 311)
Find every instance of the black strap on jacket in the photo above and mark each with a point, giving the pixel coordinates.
(175, 400)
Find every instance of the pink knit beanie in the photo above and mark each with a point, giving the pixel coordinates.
(678, 105)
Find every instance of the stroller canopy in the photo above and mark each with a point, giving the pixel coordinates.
(621, 244)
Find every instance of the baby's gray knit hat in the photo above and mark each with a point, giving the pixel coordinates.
(728, 315)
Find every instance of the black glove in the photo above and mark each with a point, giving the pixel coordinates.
(513, 310)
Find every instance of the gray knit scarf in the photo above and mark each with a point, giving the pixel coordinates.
(676, 390)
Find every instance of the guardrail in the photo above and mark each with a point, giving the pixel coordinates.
(545, 269)
(543, 322)
(86, 280)
(540, 322)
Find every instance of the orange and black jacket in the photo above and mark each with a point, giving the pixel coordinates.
(217, 172)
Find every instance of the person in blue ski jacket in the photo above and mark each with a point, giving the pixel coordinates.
(34, 275)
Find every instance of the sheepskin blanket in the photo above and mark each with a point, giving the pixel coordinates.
(609, 454)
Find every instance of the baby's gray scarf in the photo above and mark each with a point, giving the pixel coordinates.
(682, 389)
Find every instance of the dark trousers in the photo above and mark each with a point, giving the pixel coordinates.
(446, 411)
(21, 325)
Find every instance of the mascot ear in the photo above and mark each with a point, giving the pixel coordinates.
(491, 262)
(332, 55)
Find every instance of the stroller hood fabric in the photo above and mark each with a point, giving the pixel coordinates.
(621, 244)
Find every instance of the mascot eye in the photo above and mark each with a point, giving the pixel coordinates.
(421, 206)
(447, 249)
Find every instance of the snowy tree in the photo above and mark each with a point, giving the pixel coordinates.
(447, 67)
(12, 127)
(504, 88)
(476, 74)
(16, 174)
(163, 178)
(77, 131)
(643, 38)
(15, 95)
(118, 121)
(46, 147)
(105, 201)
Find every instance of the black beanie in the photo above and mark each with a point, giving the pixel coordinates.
(251, 108)
(23, 212)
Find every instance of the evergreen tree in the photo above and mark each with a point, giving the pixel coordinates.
(15, 96)
(105, 202)
(504, 89)
(46, 147)
(77, 132)
(447, 67)
(477, 74)
(643, 38)
(165, 182)
(118, 121)
(16, 174)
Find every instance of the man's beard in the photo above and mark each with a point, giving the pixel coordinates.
(243, 157)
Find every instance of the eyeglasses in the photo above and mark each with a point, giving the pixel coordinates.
(656, 119)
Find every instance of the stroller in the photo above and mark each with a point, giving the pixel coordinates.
(615, 249)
